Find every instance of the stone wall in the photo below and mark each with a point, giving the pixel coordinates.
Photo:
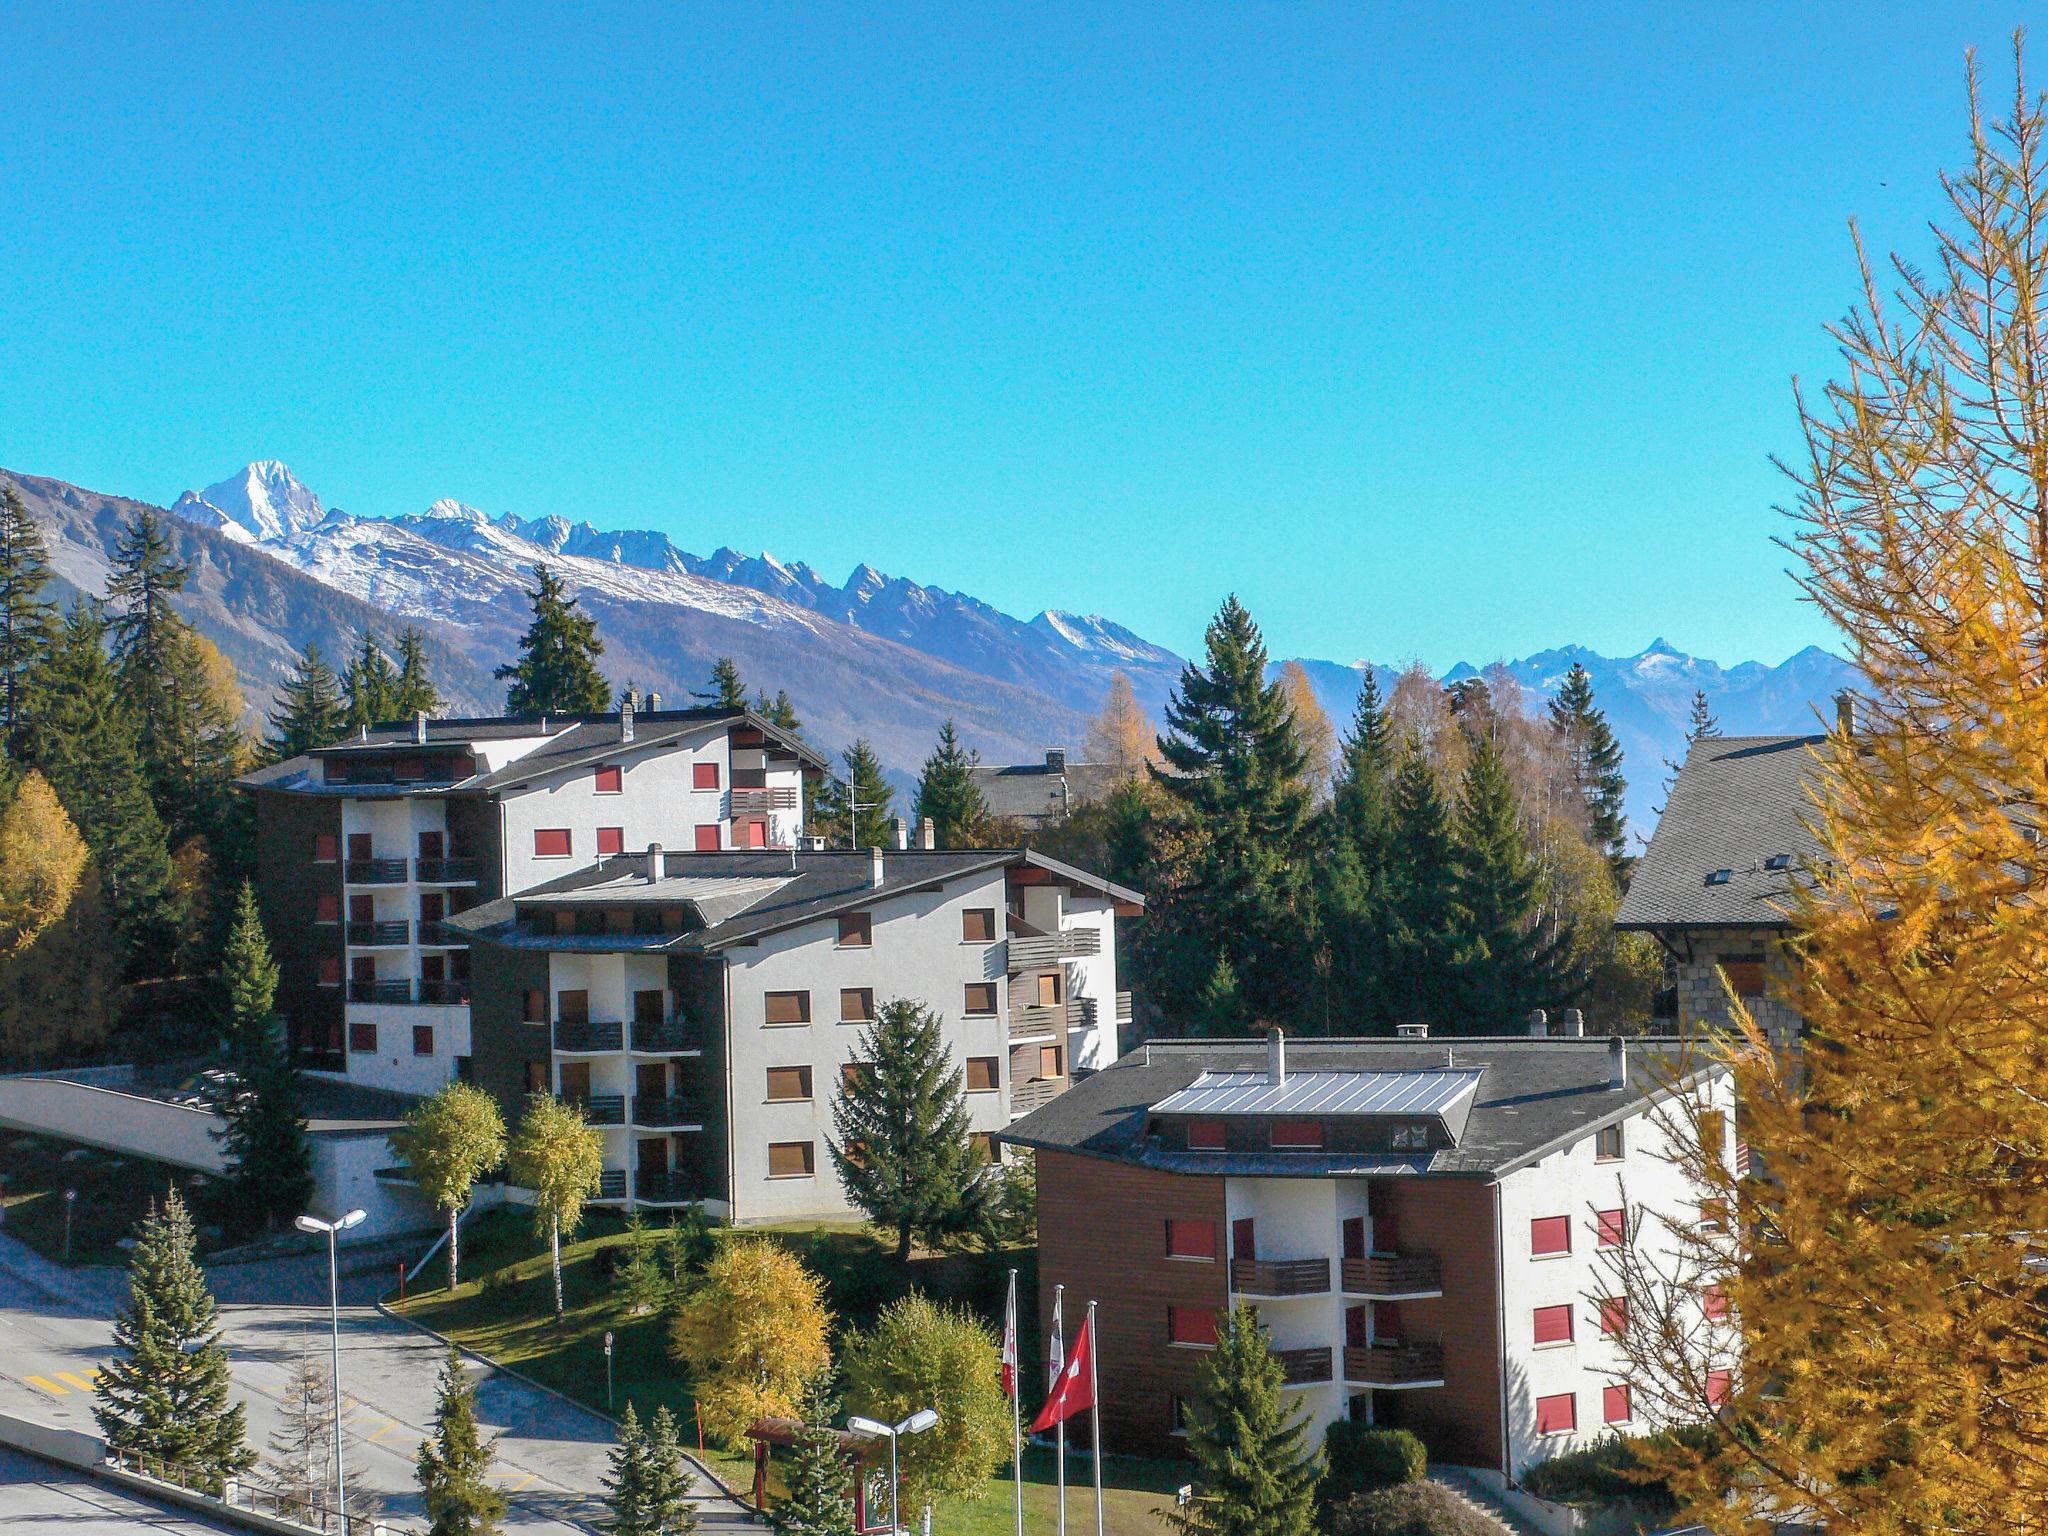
(1703, 983)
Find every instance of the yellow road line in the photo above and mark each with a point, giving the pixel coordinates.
(77, 1381)
(43, 1383)
(521, 1484)
(389, 1425)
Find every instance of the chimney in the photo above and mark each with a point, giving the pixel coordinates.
(1571, 1023)
(1617, 1062)
(1845, 712)
(419, 727)
(1411, 1031)
(1539, 1024)
(875, 867)
(1276, 1055)
(899, 832)
(927, 834)
(655, 868)
(626, 719)
(653, 702)
(1056, 759)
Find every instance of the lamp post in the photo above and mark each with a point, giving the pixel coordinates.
(70, 1200)
(331, 1228)
(607, 1370)
(875, 1429)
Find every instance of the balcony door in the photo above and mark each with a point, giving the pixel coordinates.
(1386, 1322)
(362, 909)
(576, 1081)
(433, 967)
(647, 1006)
(652, 1154)
(359, 845)
(650, 1080)
(1354, 1237)
(1357, 1327)
(572, 1007)
(363, 968)
(433, 907)
(432, 845)
(1243, 1239)
(1386, 1229)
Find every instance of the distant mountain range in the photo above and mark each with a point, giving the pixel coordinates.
(879, 655)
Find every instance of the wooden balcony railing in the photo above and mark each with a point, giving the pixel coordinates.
(603, 1108)
(445, 990)
(584, 1037)
(395, 990)
(439, 935)
(1046, 1022)
(663, 1111)
(374, 872)
(1280, 1277)
(387, 934)
(611, 1184)
(1034, 1092)
(1388, 1275)
(1304, 1367)
(1028, 952)
(662, 1186)
(663, 1035)
(1394, 1365)
(458, 871)
(753, 802)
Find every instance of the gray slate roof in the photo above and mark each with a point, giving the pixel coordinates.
(1532, 1096)
(1034, 793)
(1739, 803)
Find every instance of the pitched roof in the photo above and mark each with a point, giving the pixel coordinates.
(1038, 792)
(1733, 839)
(1531, 1097)
(736, 897)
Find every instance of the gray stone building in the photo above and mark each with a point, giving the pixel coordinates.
(1035, 795)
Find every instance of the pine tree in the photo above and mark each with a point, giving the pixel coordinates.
(1422, 927)
(779, 712)
(1359, 811)
(164, 1395)
(1219, 1007)
(1700, 725)
(447, 1144)
(1352, 878)
(560, 1157)
(270, 1165)
(628, 1484)
(817, 1476)
(454, 1463)
(1255, 1470)
(556, 673)
(727, 690)
(1234, 779)
(249, 977)
(414, 693)
(837, 820)
(86, 747)
(669, 1505)
(299, 1459)
(641, 1279)
(28, 620)
(1595, 758)
(948, 794)
(309, 712)
(370, 686)
(1508, 965)
(902, 1147)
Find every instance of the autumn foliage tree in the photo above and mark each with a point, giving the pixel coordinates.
(753, 1335)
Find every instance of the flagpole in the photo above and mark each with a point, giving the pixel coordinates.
(1095, 1409)
(1060, 1429)
(1016, 1407)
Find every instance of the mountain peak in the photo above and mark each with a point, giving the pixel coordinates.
(264, 501)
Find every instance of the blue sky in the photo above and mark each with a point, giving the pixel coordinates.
(1450, 332)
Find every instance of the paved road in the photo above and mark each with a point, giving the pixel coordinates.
(61, 1502)
(55, 1329)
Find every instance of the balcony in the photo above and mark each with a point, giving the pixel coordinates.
(379, 935)
(664, 1112)
(1280, 1277)
(1040, 1023)
(1034, 1093)
(447, 871)
(394, 991)
(374, 872)
(1123, 1007)
(660, 1186)
(445, 992)
(611, 1184)
(602, 1108)
(1394, 1277)
(438, 935)
(589, 1037)
(757, 802)
(1394, 1365)
(663, 1037)
(1304, 1367)
(1031, 952)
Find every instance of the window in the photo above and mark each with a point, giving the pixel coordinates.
(1607, 1144)
(751, 834)
(1719, 1385)
(536, 1077)
(1714, 1302)
(787, 1007)
(551, 842)
(791, 1159)
(362, 1038)
(330, 970)
(327, 908)
(1411, 1138)
(1192, 1326)
(326, 847)
(983, 1142)
(1190, 1239)
(1553, 1325)
(423, 1039)
(1714, 1215)
(849, 1077)
(536, 1006)
(1614, 1407)
(978, 925)
(856, 1005)
(1713, 1133)
(573, 1007)
(707, 839)
(611, 839)
(650, 1005)
(359, 845)
(1182, 1417)
(1052, 1061)
(1614, 1316)
(981, 998)
(611, 780)
(1550, 1234)
(1052, 987)
(1205, 1135)
(1745, 977)
(984, 1074)
(788, 1083)
(703, 775)
(1299, 1134)
(856, 930)
(1610, 1229)
(1557, 1415)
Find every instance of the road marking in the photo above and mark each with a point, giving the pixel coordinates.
(79, 1382)
(521, 1484)
(43, 1383)
(389, 1425)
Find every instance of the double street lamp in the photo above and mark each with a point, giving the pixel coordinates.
(331, 1228)
(875, 1429)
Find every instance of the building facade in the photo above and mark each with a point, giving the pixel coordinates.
(1428, 1230)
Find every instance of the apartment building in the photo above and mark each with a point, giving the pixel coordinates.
(365, 851)
(702, 1007)
(1426, 1228)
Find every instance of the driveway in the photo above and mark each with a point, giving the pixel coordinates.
(56, 1328)
(62, 1502)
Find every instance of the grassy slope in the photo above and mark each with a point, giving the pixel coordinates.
(113, 1193)
(504, 1309)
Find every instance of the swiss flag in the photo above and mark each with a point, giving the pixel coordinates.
(1075, 1388)
(1010, 1340)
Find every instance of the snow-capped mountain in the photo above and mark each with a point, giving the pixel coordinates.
(265, 501)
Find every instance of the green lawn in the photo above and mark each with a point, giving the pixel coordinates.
(504, 1310)
(114, 1191)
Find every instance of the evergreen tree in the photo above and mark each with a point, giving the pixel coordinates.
(1700, 726)
(1359, 811)
(948, 794)
(669, 1505)
(556, 673)
(86, 747)
(726, 691)
(1421, 919)
(1255, 1469)
(1508, 965)
(414, 693)
(309, 712)
(270, 1166)
(903, 1151)
(164, 1395)
(779, 711)
(853, 811)
(299, 1459)
(1595, 759)
(249, 978)
(454, 1464)
(1219, 1007)
(1234, 778)
(641, 1279)
(1352, 877)
(628, 1483)
(28, 620)
(370, 686)
(817, 1476)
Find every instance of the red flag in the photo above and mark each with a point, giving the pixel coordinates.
(1010, 1340)
(1075, 1389)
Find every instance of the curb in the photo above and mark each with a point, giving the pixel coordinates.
(703, 1471)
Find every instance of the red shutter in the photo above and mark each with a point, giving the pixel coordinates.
(611, 839)
(707, 839)
(326, 846)
(1190, 1239)
(1614, 1315)
(1614, 1404)
(551, 842)
(703, 775)
(610, 780)
(1205, 1135)
(1613, 1230)
(1550, 1234)
(1191, 1325)
(1553, 1325)
(1719, 1384)
(1557, 1415)
(1302, 1134)
(1715, 1301)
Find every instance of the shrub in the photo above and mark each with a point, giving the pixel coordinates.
(1609, 1473)
(1413, 1509)
(1363, 1457)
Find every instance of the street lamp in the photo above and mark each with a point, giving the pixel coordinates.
(70, 1200)
(316, 1225)
(875, 1429)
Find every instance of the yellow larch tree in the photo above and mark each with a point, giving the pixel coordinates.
(753, 1335)
(1312, 729)
(1123, 735)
